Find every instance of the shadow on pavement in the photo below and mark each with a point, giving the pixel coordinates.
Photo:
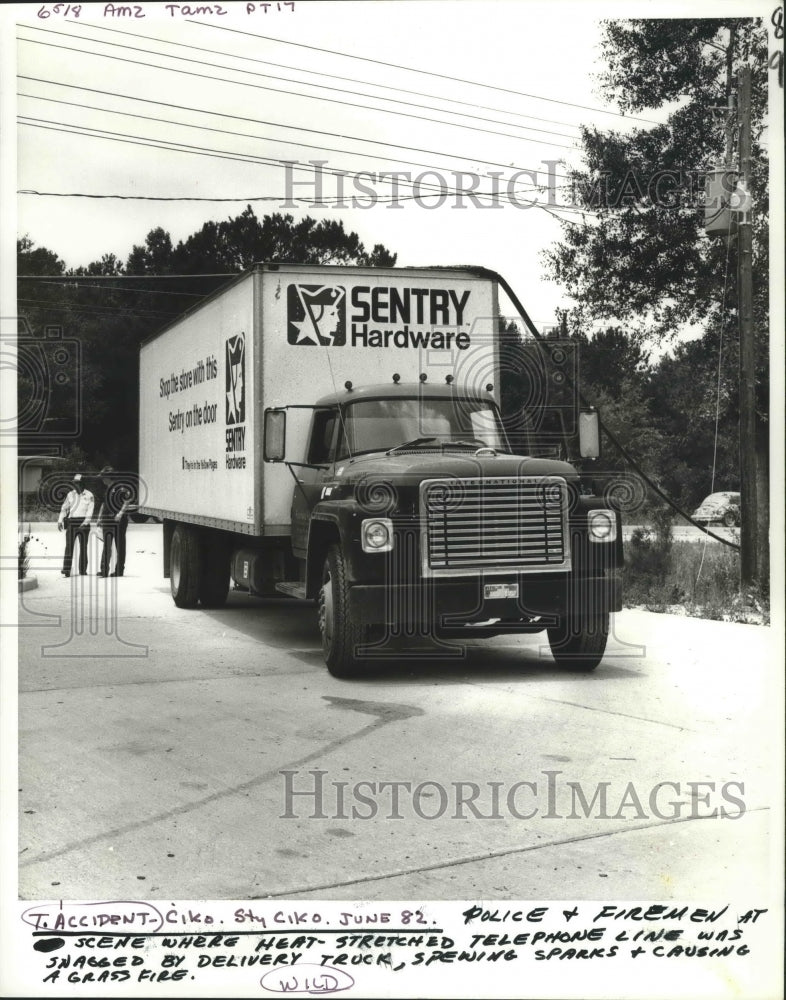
(291, 625)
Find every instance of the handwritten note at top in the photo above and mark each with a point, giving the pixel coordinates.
(137, 11)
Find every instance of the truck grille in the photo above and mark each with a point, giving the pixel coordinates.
(494, 525)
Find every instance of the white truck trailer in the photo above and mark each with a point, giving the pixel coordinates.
(334, 434)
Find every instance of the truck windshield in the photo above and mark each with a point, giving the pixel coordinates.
(385, 424)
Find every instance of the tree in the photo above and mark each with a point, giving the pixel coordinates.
(689, 392)
(238, 243)
(610, 357)
(155, 257)
(640, 257)
(36, 262)
(109, 320)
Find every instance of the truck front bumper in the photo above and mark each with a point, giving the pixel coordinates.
(445, 603)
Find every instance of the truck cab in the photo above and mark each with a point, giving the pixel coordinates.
(413, 520)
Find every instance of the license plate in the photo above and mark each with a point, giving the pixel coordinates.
(496, 591)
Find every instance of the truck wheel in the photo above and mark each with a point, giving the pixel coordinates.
(579, 644)
(730, 519)
(185, 566)
(214, 579)
(340, 635)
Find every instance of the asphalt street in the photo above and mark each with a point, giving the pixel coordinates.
(159, 749)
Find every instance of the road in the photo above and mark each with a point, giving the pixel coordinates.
(152, 750)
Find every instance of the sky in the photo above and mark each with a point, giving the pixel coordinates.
(492, 87)
(227, 84)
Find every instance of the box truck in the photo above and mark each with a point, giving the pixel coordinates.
(334, 434)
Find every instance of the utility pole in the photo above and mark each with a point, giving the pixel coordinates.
(749, 513)
(730, 98)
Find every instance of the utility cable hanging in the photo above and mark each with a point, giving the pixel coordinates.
(424, 189)
(298, 69)
(425, 72)
(528, 186)
(287, 142)
(269, 124)
(612, 437)
(317, 97)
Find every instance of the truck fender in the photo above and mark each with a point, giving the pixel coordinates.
(324, 531)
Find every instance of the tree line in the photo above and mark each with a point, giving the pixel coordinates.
(110, 320)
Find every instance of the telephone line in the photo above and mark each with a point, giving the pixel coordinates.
(424, 72)
(297, 128)
(298, 69)
(81, 307)
(125, 277)
(290, 93)
(247, 135)
(323, 203)
(70, 279)
(263, 161)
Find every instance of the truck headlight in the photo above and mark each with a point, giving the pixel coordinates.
(376, 534)
(602, 526)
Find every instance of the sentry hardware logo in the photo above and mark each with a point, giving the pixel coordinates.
(236, 379)
(316, 315)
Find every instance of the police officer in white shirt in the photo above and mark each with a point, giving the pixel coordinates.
(75, 516)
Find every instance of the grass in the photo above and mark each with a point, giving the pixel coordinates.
(700, 579)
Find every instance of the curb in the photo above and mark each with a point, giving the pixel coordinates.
(28, 583)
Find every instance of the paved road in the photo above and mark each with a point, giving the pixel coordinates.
(151, 752)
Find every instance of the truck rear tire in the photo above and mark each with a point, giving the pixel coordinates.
(214, 581)
(185, 569)
(340, 635)
(579, 644)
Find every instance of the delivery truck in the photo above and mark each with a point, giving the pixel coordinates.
(334, 434)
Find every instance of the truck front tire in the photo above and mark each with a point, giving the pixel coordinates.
(341, 636)
(579, 644)
(185, 566)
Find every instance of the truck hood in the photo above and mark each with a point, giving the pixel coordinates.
(412, 467)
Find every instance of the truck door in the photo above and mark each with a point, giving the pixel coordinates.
(312, 477)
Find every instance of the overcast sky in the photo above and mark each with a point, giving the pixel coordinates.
(165, 79)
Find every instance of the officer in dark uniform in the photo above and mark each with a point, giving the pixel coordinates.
(115, 498)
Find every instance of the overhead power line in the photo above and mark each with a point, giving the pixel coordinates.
(141, 197)
(83, 307)
(424, 72)
(86, 282)
(290, 93)
(297, 128)
(310, 72)
(428, 189)
(260, 138)
(323, 203)
(57, 278)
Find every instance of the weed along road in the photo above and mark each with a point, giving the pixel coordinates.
(186, 755)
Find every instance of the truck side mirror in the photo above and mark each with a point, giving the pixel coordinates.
(589, 434)
(275, 435)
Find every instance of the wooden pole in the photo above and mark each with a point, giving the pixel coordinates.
(748, 472)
